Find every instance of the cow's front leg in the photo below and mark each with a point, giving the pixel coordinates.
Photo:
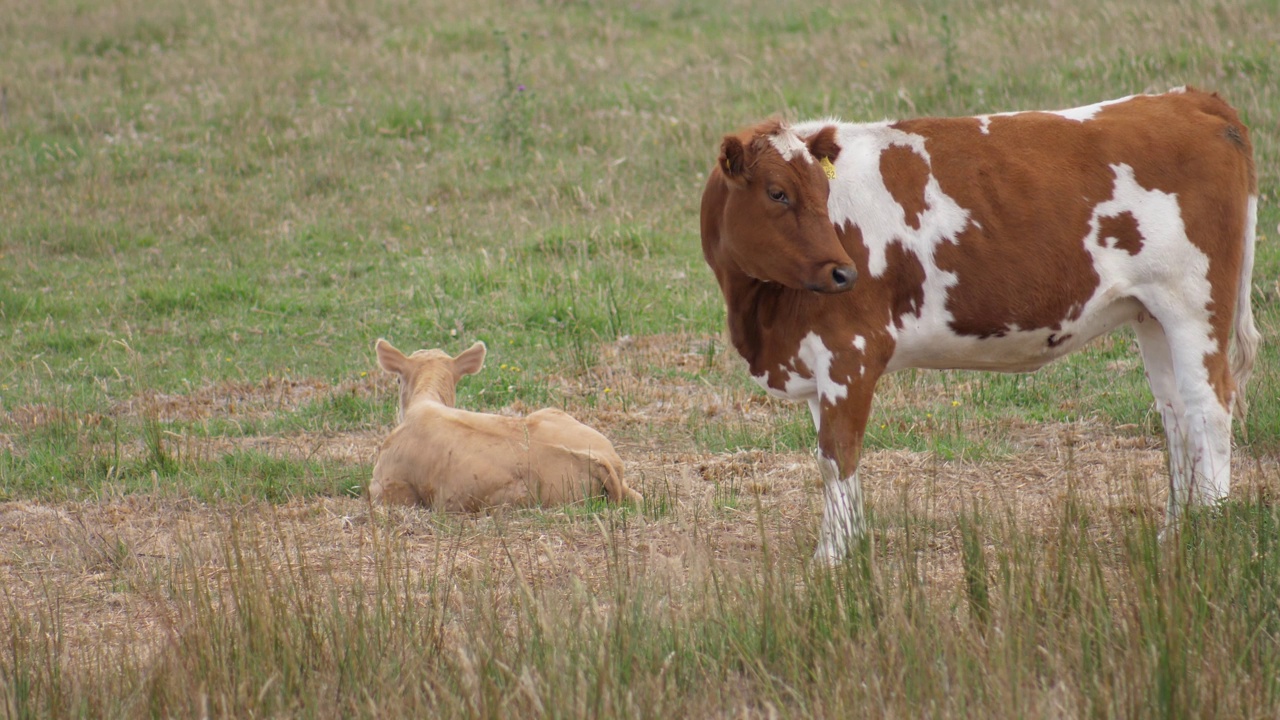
(841, 425)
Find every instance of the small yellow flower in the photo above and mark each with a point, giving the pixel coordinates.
(955, 403)
(363, 374)
(608, 390)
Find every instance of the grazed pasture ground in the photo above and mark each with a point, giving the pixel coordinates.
(106, 561)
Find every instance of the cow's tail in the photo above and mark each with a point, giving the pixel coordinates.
(1245, 339)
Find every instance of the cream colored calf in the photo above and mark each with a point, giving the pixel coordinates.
(452, 459)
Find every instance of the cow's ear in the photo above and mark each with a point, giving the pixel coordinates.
(389, 358)
(733, 158)
(823, 145)
(469, 361)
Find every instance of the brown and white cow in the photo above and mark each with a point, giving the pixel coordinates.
(453, 459)
(998, 242)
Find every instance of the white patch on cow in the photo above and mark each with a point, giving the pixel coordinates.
(789, 145)
(799, 386)
(1170, 277)
(795, 387)
(817, 357)
(984, 121)
(814, 382)
(1079, 114)
(1088, 112)
(860, 197)
(1165, 245)
(859, 343)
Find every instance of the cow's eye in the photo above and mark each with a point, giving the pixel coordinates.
(778, 196)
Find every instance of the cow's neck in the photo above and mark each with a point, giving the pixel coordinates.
(760, 315)
(767, 320)
(428, 394)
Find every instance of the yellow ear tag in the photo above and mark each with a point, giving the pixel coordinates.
(828, 168)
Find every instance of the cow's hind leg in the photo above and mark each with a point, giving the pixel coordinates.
(1197, 425)
(1158, 363)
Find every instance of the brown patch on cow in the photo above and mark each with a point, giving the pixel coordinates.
(1122, 230)
(853, 243)
(905, 175)
(1014, 266)
(1235, 136)
(907, 290)
(1002, 285)
(823, 144)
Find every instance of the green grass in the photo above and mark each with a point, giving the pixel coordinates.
(202, 194)
(205, 201)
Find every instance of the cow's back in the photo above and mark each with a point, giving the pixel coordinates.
(453, 459)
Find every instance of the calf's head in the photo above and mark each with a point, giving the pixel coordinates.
(775, 225)
(429, 374)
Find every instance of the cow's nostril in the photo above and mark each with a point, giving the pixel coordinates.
(843, 277)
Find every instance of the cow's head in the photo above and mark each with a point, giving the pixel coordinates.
(431, 374)
(775, 225)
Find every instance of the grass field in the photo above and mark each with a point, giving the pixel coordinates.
(210, 210)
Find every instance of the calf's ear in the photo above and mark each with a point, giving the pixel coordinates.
(733, 158)
(469, 361)
(389, 358)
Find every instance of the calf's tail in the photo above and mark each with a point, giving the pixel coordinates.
(614, 486)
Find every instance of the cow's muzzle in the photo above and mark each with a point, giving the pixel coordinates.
(836, 279)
